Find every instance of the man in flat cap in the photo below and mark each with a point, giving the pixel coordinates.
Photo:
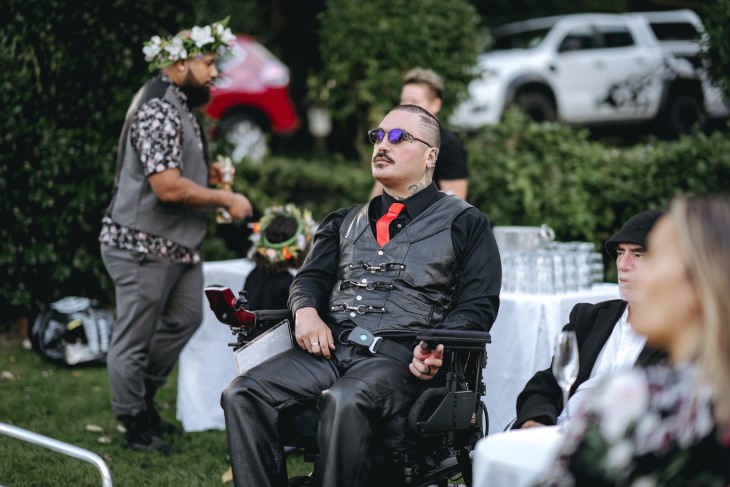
(606, 341)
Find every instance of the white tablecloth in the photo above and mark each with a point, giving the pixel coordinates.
(206, 364)
(523, 339)
(516, 458)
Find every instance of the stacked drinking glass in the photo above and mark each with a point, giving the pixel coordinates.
(553, 268)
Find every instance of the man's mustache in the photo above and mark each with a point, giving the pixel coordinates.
(383, 155)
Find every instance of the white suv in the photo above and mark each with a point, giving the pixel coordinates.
(680, 32)
(587, 69)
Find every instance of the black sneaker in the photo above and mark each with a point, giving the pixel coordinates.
(148, 442)
(139, 436)
(160, 427)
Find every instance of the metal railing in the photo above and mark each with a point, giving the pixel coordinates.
(61, 447)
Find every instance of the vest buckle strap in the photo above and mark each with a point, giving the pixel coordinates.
(361, 309)
(385, 266)
(369, 285)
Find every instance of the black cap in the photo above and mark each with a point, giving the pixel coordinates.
(634, 231)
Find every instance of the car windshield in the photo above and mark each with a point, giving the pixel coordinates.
(519, 40)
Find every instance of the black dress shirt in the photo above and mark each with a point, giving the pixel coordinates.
(451, 163)
(477, 256)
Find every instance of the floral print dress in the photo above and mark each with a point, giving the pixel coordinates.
(646, 427)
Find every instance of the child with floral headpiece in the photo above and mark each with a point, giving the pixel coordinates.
(282, 239)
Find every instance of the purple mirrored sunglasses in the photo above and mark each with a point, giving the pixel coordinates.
(395, 136)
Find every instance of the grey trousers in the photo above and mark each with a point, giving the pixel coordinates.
(159, 306)
(354, 392)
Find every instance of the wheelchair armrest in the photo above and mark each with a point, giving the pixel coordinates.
(266, 317)
(455, 339)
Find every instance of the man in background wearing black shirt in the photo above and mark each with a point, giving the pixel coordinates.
(413, 258)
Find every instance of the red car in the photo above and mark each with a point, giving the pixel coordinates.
(251, 99)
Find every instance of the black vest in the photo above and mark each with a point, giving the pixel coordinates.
(134, 204)
(408, 284)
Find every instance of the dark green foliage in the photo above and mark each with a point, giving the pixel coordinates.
(71, 69)
(498, 12)
(368, 46)
(716, 50)
(321, 186)
(523, 173)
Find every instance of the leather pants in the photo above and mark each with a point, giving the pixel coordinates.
(353, 391)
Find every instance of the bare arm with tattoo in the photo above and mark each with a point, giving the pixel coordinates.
(171, 187)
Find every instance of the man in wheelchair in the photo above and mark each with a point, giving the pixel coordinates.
(412, 261)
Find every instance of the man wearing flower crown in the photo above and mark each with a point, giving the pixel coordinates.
(153, 230)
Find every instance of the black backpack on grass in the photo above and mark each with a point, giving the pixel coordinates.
(73, 331)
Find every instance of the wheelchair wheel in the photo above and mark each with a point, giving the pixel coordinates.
(301, 481)
(482, 419)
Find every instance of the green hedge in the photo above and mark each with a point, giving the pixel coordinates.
(367, 46)
(69, 72)
(320, 185)
(716, 48)
(523, 173)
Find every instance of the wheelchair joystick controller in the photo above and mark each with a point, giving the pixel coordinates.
(241, 301)
(428, 345)
(229, 309)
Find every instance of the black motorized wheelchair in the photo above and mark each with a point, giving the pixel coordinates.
(442, 427)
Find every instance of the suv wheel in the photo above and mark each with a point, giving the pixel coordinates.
(684, 114)
(537, 106)
(247, 137)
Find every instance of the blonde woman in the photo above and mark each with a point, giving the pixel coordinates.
(667, 425)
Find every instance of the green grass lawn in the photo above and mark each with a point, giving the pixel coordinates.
(62, 402)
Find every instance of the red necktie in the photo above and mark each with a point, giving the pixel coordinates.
(382, 227)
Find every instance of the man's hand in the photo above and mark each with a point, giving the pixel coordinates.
(216, 173)
(531, 424)
(426, 362)
(312, 334)
(238, 206)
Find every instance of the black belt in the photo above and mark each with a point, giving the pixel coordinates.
(378, 345)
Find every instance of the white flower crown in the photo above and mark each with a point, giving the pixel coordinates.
(215, 38)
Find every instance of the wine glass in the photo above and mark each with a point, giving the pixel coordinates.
(565, 364)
